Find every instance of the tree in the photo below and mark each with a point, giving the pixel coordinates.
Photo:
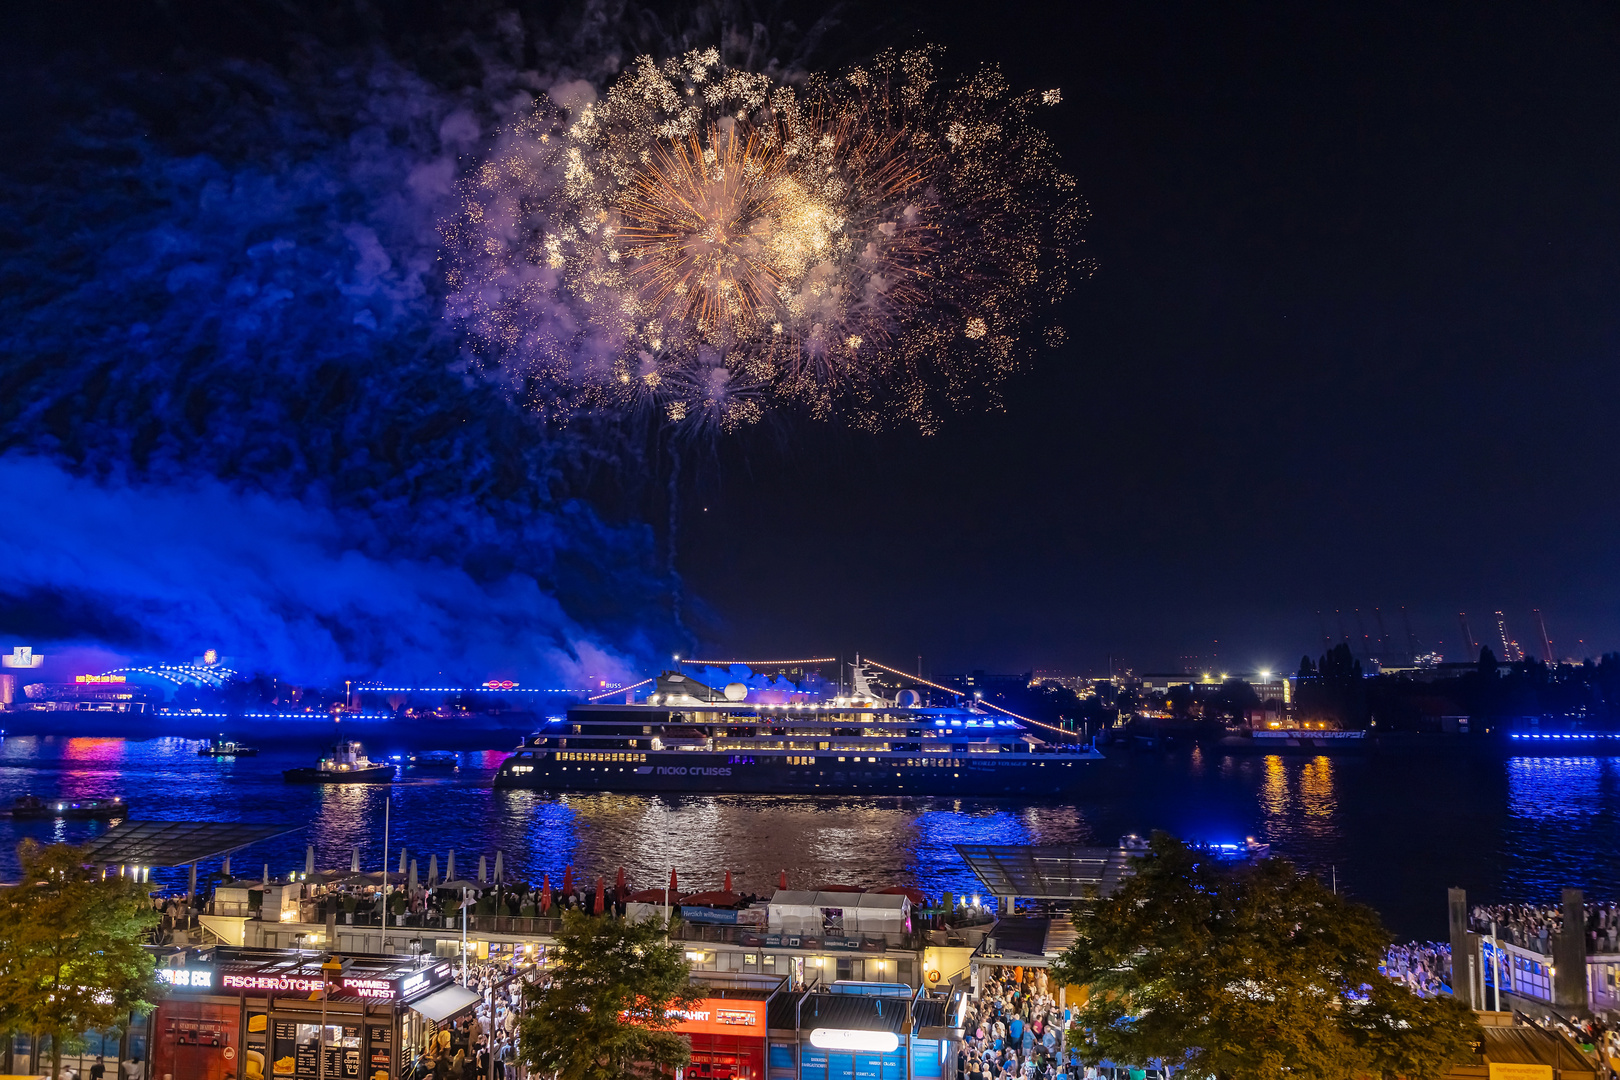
(1336, 691)
(1395, 1033)
(1252, 972)
(75, 949)
(605, 1010)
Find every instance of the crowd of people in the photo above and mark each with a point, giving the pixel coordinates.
(462, 1051)
(355, 901)
(175, 913)
(1424, 966)
(1534, 926)
(1014, 1028)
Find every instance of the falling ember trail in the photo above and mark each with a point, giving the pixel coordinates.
(677, 588)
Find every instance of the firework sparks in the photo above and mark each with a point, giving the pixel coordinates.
(715, 245)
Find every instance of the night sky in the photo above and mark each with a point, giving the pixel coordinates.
(1350, 343)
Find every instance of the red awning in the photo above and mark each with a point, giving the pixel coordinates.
(652, 896)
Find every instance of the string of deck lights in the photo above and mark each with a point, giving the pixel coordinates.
(369, 688)
(619, 690)
(959, 693)
(180, 674)
(756, 663)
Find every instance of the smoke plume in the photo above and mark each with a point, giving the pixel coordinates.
(232, 413)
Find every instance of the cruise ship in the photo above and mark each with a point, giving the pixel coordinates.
(689, 737)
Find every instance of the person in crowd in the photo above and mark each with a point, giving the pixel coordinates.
(1533, 926)
(1424, 967)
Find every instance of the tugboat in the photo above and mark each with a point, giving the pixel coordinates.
(32, 806)
(434, 761)
(1251, 850)
(347, 764)
(219, 748)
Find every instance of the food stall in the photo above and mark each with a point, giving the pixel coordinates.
(258, 1014)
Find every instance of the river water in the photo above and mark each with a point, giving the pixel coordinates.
(1393, 832)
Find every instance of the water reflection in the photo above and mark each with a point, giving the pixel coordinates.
(1316, 795)
(1542, 788)
(1561, 826)
(86, 752)
(1398, 830)
(1300, 800)
(1274, 790)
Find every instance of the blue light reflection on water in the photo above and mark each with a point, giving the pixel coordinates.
(1394, 831)
(1563, 823)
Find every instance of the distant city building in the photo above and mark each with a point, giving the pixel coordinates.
(1435, 672)
(1163, 684)
(22, 657)
(981, 681)
(97, 693)
(1080, 684)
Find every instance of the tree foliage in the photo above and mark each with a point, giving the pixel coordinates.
(604, 1011)
(1249, 973)
(74, 948)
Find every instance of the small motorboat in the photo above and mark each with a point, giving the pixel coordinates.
(32, 806)
(219, 748)
(347, 764)
(434, 761)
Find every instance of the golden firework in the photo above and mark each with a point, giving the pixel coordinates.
(705, 244)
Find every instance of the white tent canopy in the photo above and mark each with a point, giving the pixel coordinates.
(880, 912)
(812, 913)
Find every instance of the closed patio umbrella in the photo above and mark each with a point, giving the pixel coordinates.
(411, 883)
(433, 870)
(498, 876)
(568, 880)
(354, 859)
(728, 882)
(450, 866)
(601, 899)
(483, 870)
(545, 893)
(309, 859)
(781, 881)
(618, 885)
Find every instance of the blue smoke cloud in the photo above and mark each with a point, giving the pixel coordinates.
(183, 567)
(231, 411)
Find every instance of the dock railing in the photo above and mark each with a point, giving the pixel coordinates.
(704, 932)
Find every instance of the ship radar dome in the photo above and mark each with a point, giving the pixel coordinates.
(736, 691)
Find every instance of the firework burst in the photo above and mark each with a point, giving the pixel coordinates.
(707, 245)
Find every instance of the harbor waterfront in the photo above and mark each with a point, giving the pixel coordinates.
(1394, 832)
